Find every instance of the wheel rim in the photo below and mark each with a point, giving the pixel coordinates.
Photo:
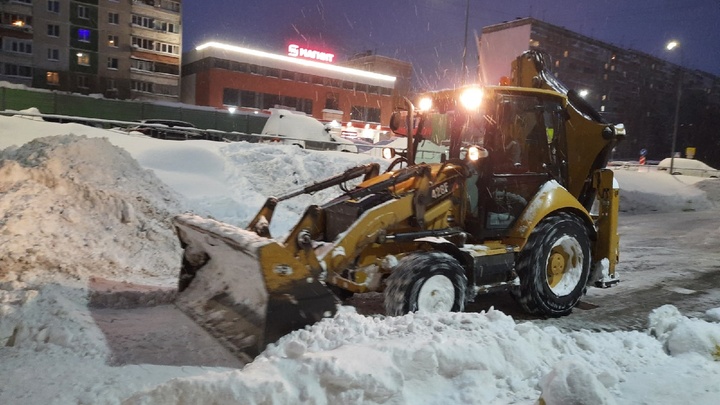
(564, 266)
(437, 294)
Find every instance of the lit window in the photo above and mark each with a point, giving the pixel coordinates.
(565, 54)
(83, 35)
(83, 59)
(113, 41)
(52, 78)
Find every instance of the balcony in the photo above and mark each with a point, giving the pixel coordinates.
(166, 5)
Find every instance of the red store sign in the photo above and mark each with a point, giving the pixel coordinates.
(296, 51)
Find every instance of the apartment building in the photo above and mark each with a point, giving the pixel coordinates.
(624, 85)
(126, 49)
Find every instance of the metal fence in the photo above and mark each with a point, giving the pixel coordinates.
(77, 105)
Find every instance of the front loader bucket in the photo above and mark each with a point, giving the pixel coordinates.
(244, 289)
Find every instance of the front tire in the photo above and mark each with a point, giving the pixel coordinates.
(426, 282)
(554, 266)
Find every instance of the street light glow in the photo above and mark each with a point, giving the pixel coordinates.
(671, 46)
(583, 93)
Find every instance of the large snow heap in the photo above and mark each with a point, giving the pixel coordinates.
(93, 198)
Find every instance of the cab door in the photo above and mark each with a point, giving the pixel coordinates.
(524, 153)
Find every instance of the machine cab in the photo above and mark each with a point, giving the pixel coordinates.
(523, 132)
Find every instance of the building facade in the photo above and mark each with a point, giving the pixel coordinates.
(401, 70)
(625, 86)
(126, 49)
(222, 75)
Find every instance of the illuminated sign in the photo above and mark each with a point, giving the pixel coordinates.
(298, 61)
(296, 51)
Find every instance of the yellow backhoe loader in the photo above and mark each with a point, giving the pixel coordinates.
(522, 202)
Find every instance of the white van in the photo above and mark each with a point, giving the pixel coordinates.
(298, 128)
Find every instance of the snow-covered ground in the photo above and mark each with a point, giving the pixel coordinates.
(79, 205)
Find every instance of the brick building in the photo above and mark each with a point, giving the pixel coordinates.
(222, 75)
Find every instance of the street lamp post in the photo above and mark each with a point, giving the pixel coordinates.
(464, 55)
(671, 46)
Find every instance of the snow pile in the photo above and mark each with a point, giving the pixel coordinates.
(254, 172)
(652, 191)
(681, 335)
(457, 358)
(67, 218)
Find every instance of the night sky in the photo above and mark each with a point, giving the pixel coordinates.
(430, 33)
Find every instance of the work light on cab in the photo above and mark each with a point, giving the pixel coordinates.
(425, 104)
(471, 98)
(388, 153)
(475, 153)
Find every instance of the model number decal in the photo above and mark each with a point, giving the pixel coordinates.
(440, 190)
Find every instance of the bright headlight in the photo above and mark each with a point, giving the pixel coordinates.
(475, 152)
(425, 104)
(471, 98)
(388, 153)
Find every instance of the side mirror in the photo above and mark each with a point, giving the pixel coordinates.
(396, 121)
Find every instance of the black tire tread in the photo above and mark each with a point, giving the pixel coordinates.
(529, 294)
(409, 275)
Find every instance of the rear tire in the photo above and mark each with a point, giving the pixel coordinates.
(554, 266)
(426, 282)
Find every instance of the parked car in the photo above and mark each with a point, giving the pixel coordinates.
(169, 129)
(297, 128)
(690, 167)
